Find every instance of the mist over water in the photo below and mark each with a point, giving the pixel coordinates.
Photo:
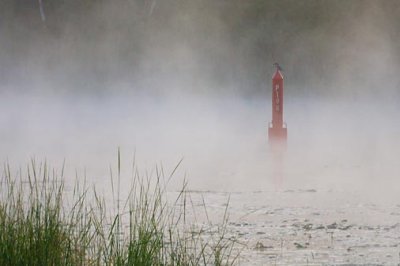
(166, 80)
(222, 140)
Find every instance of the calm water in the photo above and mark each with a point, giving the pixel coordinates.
(308, 227)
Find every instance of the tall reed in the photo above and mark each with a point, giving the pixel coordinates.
(42, 223)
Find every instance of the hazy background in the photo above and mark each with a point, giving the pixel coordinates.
(167, 80)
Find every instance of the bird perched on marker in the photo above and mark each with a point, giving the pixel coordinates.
(278, 67)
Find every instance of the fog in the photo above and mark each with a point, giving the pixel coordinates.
(191, 80)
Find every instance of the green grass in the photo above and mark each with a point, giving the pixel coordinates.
(41, 223)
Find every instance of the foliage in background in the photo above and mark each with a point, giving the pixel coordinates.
(202, 46)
